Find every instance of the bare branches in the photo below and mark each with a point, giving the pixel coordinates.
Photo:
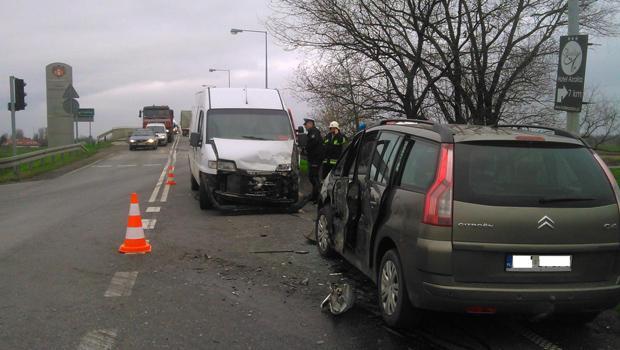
(460, 61)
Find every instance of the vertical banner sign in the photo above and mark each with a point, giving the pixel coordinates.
(58, 76)
(571, 73)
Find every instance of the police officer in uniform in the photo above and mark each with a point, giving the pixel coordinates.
(314, 152)
(333, 144)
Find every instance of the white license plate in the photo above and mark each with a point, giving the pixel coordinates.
(539, 263)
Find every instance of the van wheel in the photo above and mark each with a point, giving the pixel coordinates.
(203, 196)
(323, 231)
(394, 303)
(195, 185)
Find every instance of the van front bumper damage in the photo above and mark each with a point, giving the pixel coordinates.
(254, 188)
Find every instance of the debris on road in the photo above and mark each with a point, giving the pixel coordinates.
(279, 251)
(305, 281)
(340, 298)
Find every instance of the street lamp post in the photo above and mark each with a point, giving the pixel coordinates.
(237, 31)
(221, 70)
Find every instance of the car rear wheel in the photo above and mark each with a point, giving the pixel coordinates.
(195, 185)
(203, 196)
(394, 303)
(322, 229)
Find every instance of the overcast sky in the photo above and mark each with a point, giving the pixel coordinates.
(128, 54)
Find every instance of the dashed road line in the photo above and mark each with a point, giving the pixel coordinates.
(149, 224)
(164, 194)
(126, 165)
(155, 192)
(99, 339)
(154, 164)
(121, 284)
(102, 166)
(153, 209)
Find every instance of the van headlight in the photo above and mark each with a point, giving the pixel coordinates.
(150, 140)
(225, 165)
(132, 140)
(283, 167)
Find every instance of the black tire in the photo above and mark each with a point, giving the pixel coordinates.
(131, 148)
(323, 232)
(195, 186)
(394, 305)
(203, 196)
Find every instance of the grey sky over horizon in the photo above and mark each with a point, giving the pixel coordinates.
(128, 54)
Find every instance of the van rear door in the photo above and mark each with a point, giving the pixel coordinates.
(514, 200)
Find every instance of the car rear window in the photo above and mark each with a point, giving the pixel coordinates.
(529, 174)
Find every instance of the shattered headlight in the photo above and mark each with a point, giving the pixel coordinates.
(226, 165)
(283, 167)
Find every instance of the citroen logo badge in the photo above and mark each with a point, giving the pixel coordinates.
(546, 221)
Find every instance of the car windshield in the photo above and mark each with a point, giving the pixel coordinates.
(143, 132)
(156, 113)
(528, 174)
(249, 124)
(157, 128)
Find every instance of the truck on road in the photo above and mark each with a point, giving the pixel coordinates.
(186, 119)
(158, 114)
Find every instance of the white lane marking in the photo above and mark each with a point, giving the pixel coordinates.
(99, 339)
(126, 165)
(153, 209)
(149, 224)
(535, 338)
(121, 284)
(102, 166)
(166, 190)
(164, 194)
(154, 164)
(159, 182)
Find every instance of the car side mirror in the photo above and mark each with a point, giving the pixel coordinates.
(194, 139)
(139, 114)
(300, 129)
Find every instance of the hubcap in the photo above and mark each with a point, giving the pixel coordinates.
(322, 232)
(389, 287)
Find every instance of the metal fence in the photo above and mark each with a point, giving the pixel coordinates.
(31, 157)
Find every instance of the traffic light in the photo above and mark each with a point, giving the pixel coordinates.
(20, 95)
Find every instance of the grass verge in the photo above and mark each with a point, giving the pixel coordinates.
(50, 163)
(7, 151)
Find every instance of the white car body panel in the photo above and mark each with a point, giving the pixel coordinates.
(255, 155)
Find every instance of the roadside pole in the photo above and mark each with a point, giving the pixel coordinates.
(13, 130)
(572, 118)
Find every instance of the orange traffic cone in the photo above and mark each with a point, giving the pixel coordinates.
(171, 179)
(135, 242)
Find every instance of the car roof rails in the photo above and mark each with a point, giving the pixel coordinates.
(556, 131)
(406, 121)
(446, 134)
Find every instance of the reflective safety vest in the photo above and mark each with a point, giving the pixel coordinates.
(333, 144)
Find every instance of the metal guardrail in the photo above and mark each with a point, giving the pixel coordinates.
(116, 134)
(30, 157)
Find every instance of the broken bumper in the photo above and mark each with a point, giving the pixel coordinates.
(255, 188)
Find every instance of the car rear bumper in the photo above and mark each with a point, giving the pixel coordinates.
(530, 299)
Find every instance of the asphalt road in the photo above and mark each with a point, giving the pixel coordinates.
(209, 282)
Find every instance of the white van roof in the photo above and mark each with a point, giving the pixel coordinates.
(244, 98)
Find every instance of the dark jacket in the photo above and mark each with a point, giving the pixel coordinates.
(314, 146)
(333, 144)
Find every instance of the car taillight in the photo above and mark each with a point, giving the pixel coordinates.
(438, 201)
(610, 176)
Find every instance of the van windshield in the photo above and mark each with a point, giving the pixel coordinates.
(249, 124)
(519, 174)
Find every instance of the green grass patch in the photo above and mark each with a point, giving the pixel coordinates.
(50, 163)
(7, 151)
(616, 172)
(609, 148)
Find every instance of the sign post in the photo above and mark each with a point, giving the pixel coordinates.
(72, 106)
(87, 115)
(571, 73)
(13, 130)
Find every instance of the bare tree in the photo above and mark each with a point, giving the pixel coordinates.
(465, 61)
(599, 119)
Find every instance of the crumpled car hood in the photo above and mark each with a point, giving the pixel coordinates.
(256, 155)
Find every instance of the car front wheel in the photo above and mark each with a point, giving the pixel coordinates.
(323, 232)
(203, 195)
(394, 302)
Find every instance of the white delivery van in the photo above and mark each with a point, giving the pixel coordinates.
(242, 149)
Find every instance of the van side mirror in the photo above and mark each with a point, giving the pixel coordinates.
(139, 114)
(194, 139)
(300, 129)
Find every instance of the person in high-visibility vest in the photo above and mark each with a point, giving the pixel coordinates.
(333, 145)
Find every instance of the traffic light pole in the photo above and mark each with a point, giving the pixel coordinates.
(572, 118)
(13, 130)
